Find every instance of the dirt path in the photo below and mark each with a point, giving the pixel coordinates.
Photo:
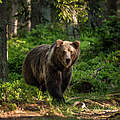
(28, 115)
(37, 111)
(42, 111)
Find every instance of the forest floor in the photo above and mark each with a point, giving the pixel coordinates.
(87, 109)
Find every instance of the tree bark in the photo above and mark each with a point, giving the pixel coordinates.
(29, 15)
(3, 42)
(35, 13)
(13, 20)
(40, 12)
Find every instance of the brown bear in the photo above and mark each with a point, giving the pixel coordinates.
(50, 67)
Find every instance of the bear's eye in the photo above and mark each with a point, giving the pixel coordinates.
(64, 52)
(71, 52)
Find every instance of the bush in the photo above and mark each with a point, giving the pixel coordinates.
(17, 91)
(46, 34)
(100, 72)
(109, 33)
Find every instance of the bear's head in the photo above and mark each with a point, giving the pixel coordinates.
(67, 52)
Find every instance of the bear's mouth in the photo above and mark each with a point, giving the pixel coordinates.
(67, 63)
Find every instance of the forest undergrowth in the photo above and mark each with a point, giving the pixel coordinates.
(94, 91)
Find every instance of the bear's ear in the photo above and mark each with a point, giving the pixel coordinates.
(58, 43)
(76, 44)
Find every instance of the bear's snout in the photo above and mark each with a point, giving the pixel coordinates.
(67, 60)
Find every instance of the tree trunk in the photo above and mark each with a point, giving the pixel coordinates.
(3, 42)
(29, 15)
(13, 20)
(40, 12)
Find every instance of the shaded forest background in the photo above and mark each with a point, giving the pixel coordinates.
(25, 24)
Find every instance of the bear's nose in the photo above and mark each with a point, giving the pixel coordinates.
(67, 60)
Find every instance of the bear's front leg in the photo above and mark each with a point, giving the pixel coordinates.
(54, 82)
(66, 77)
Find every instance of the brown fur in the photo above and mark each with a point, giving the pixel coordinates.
(50, 67)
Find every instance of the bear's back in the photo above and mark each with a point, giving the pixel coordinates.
(35, 61)
(38, 52)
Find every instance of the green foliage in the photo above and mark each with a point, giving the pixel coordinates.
(102, 38)
(16, 54)
(72, 10)
(16, 91)
(109, 33)
(46, 34)
(98, 80)
(86, 74)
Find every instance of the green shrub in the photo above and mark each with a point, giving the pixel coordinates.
(17, 91)
(46, 34)
(101, 72)
(109, 33)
